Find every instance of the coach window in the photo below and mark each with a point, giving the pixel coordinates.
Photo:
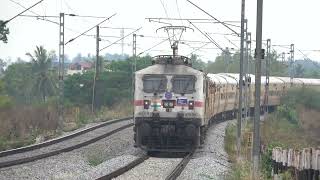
(154, 83)
(183, 84)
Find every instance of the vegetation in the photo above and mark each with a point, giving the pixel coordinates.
(4, 31)
(299, 113)
(28, 96)
(43, 83)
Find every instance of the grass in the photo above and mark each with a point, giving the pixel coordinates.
(96, 157)
(22, 125)
(295, 124)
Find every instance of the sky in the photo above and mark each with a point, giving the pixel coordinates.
(284, 22)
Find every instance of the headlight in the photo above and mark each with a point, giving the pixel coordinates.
(168, 103)
(191, 104)
(146, 104)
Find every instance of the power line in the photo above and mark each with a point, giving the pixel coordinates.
(7, 21)
(213, 17)
(231, 42)
(89, 29)
(105, 27)
(198, 49)
(156, 45)
(39, 16)
(204, 22)
(208, 37)
(165, 10)
(179, 11)
(120, 39)
(307, 58)
(191, 19)
(22, 6)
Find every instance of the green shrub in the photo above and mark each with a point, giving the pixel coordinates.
(230, 141)
(5, 102)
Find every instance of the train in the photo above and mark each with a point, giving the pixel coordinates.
(174, 104)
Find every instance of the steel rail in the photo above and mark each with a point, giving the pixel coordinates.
(60, 139)
(67, 149)
(180, 167)
(124, 169)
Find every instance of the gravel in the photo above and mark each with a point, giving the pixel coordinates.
(152, 168)
(66, 143)
(78, 163)
(113, 152)
(210, 162)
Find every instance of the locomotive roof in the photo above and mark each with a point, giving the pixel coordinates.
(169, 69)
(222, 78)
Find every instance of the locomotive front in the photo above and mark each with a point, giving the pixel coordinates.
(169, 105)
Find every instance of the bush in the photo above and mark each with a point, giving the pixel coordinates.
(306, 96)
(230, 141)
(5, 102)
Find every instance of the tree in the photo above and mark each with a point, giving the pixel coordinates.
(4, 31)
(43, 80)
(197, 63)
(2, 65)
(18, 81)
(299, 70)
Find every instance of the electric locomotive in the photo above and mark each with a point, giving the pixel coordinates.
(169, 105)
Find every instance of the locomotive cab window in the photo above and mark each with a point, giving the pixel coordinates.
(183, 84)
(154, 83)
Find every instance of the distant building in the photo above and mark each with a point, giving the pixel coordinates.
(79, 67)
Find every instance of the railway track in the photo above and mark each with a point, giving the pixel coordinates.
(64, 144)
(174, 173)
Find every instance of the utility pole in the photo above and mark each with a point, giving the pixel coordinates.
(266, 100)
(134, 64)
(97, 70)
(245, 74)
(122, 41)
(256, 126)
(239, 119)
(61, 70)
(226, 59)
(249, 52)
(283, 57)
(291, 66)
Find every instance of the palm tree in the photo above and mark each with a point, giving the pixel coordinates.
(43, 81)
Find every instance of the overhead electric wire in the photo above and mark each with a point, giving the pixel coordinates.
(191, 19)
(231, 42)
(179, 11)
(217, 23)
(150, 20)
(40, 17)
(307, 58)
(120, 39)
(89, 29)
(208, 37)
(155, 45)
(198, 49)
(7, 21)
(165, 10)
(105, 27)
(213, 17)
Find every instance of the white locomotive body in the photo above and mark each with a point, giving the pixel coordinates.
(169, 106)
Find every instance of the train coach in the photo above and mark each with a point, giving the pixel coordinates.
(174, 103)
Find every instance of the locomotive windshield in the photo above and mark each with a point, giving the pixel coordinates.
(183, 84)
(154, 83)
